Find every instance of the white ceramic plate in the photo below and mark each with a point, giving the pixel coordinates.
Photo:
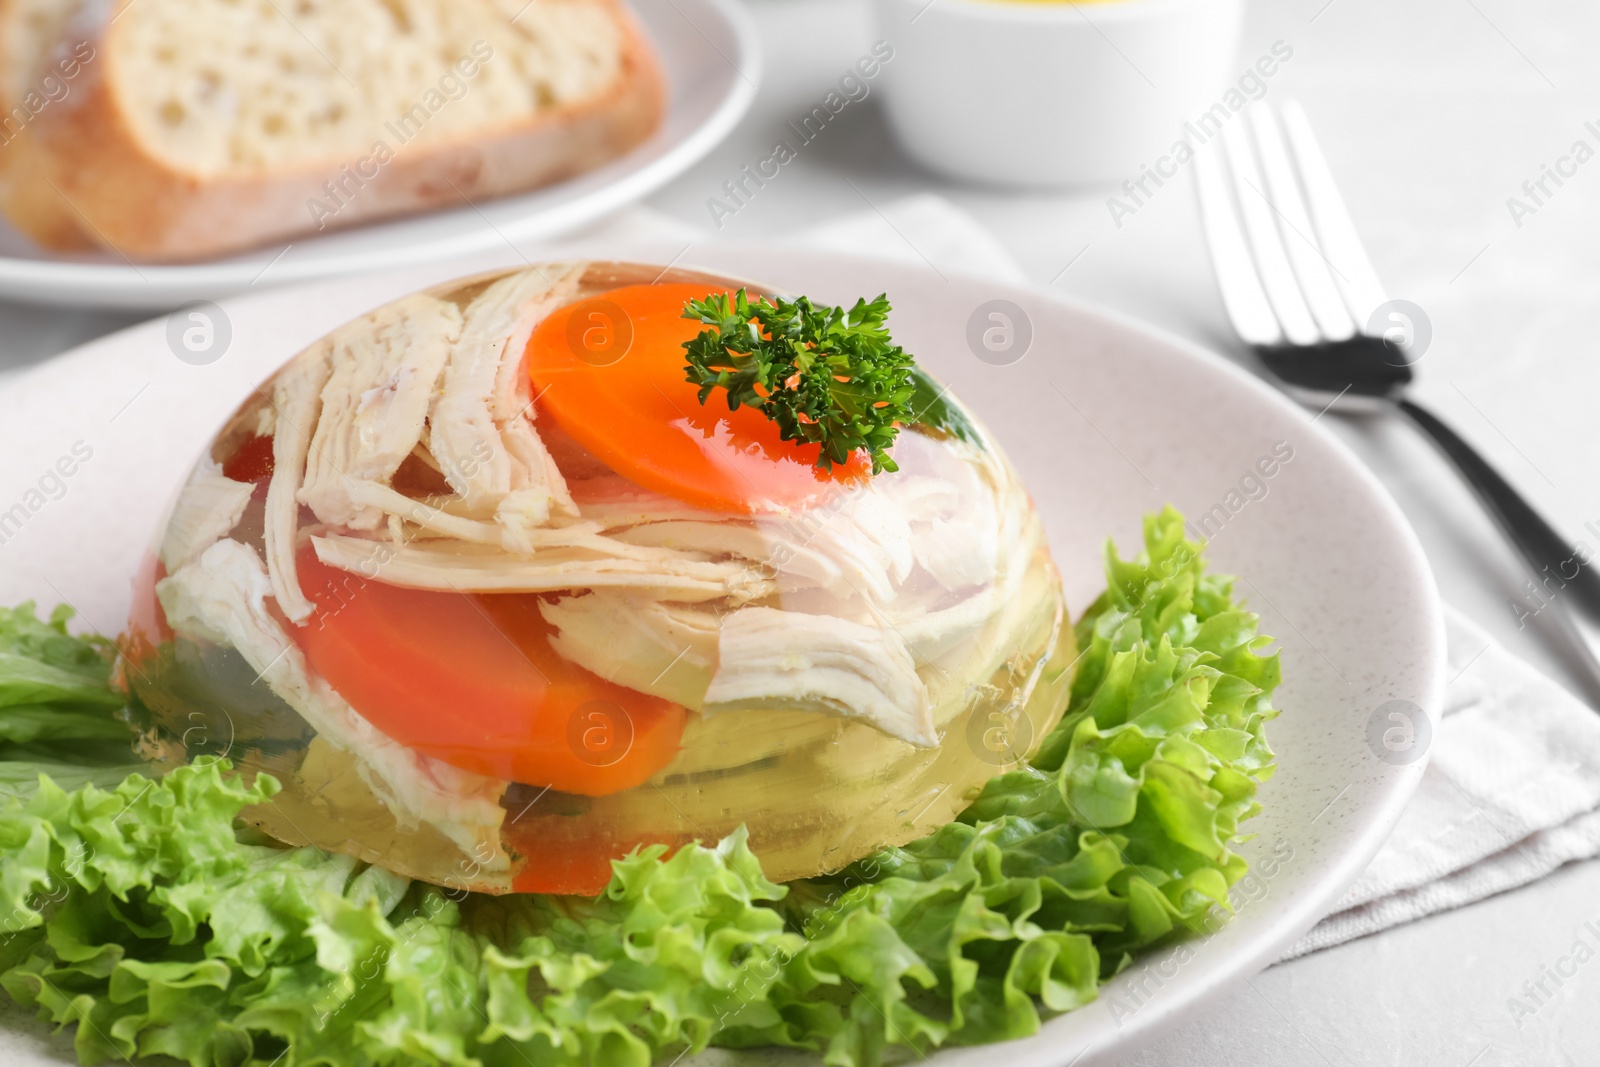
(712, 63)
(1106, 419)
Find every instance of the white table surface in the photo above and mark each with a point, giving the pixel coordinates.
(1432, 113)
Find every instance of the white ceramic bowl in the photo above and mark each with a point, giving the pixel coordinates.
(1052, 94)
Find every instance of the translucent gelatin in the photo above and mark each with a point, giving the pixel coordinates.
(491, 593)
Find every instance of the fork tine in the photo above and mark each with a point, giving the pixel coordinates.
(1242, 295)
(1363, 293)
(1272, 262)
(1310, 266)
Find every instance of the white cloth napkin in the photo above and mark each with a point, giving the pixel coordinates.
(1513, 787)
(925, 229)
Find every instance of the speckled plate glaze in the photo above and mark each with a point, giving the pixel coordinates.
(1105, 418)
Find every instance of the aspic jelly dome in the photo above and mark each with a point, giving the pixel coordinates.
(496, 598)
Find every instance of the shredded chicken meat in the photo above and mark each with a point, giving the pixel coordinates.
(208, 509)
(769, 658)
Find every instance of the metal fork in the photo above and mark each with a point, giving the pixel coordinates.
(1301, 292)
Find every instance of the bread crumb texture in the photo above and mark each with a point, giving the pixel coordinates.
(245, 86)
(33, 42)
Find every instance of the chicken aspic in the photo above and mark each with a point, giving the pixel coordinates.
(492, 593)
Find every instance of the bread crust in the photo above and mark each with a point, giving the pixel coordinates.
(143, 208)
(26, 197)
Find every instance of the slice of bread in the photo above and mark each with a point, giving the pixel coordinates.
(200, 128)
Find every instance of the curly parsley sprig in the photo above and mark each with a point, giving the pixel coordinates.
(824, 375)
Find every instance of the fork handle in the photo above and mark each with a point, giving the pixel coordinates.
(1558, 566)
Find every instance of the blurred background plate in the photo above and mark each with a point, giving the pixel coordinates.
(1105, 418)
(712, 63)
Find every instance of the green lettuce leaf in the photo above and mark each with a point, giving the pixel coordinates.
(147, 915)
(59, 715)
(1116, 838)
